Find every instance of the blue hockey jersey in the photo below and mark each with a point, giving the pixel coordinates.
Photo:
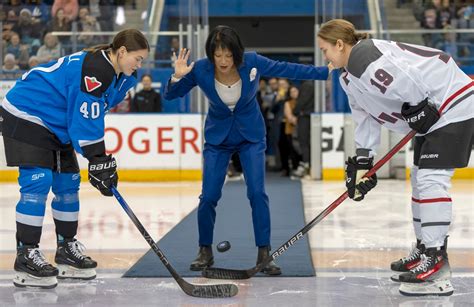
(70, 97)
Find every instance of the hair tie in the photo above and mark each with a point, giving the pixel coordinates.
(111, 46)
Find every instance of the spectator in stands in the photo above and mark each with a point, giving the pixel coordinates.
(466, 21)
(147, 100)
(10, 21)
(286, 144)
(19, 50)
(443, 12)
(449, 44)
(29, 29)
(275, 129)
(303, 109)
(90, 25)
(50, 50)
(70, 8)
(83, 14)
(62, 24)
(33, 61)
(16, 6)
(431, 21)
(268, 101)
(9, 63)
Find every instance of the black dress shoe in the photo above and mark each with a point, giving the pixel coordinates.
(271, 268)
(203, 260)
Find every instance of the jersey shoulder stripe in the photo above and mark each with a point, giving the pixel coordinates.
(362, 55)
(97, 73)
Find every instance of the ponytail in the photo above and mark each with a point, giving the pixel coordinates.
(361, 36)
(99, 47)
(340, 29)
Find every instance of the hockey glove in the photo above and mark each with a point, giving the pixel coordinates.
(420, 117)
(103, 173)
(357, 186)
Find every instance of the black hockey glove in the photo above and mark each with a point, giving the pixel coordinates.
(357, 186)
(420, 117)
(103, 173)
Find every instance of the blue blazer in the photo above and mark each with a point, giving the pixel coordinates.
(246, 115)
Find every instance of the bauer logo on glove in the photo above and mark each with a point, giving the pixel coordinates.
(103, 173)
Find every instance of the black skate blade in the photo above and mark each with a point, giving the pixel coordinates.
(426, 294)
(76, 278)
(395, 278)
(35, 287)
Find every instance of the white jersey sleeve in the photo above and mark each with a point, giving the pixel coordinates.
(382, 75)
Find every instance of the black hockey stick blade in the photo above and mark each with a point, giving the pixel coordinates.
(221, 273)
(204, 291)
(208, 291)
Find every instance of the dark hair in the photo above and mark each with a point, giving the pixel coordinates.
(226, 38)
(131, 39)
(146, 75)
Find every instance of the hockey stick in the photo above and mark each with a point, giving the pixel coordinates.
(222, 273)
(205, 291)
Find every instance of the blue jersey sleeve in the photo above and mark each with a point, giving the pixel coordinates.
(271, 68)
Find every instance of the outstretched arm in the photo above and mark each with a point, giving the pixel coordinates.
(271, 68)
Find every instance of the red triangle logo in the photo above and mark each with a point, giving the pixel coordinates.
(91, 83)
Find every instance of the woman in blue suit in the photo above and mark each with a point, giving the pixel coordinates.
(230, 77)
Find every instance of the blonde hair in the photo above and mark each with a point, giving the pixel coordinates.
(131, 39)
(341, 29)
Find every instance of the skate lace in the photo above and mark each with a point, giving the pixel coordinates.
(37, 257)
(77, 249)
(425, 263)
(414, 253)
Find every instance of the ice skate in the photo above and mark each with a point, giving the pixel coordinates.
(409, 262)
(430, 277)
(72, 263)
(32, 269)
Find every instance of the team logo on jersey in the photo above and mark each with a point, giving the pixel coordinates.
(91, 83)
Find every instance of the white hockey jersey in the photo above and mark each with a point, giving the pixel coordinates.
(382, 75)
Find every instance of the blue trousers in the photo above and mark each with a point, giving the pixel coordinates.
(216, 161)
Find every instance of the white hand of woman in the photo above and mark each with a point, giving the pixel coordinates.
(181, 67)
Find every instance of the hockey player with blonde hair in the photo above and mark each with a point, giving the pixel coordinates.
(407, 87)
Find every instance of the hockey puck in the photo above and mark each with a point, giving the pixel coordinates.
(223, 246)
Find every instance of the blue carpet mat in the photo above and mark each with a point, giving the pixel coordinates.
(234, 224)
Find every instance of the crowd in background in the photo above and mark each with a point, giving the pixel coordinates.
(27, 27)
(448, 15)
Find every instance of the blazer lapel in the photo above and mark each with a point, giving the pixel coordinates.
(210, 85)
(244, 76)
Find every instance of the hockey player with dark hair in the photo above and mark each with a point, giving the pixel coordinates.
(407, 87)
(52, 111)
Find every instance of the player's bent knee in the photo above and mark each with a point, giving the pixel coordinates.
(66, 183)
(35, 180)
